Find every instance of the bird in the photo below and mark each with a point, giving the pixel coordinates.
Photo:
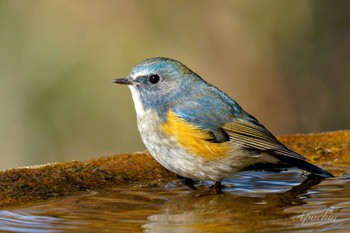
(197, 131)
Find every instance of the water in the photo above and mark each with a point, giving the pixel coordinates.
(261, 201)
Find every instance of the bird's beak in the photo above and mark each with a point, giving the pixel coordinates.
(127, 81)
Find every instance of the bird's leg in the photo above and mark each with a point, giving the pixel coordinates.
(218, 187)
(188, 182)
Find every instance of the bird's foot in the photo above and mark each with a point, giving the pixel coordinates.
(218, 187)
(188, 182)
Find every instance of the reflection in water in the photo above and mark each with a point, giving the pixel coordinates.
(22, 222)
(227, 211)
(257, 201)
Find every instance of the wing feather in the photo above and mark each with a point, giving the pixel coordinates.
(255, 136)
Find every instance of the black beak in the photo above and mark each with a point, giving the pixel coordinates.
(127, 81)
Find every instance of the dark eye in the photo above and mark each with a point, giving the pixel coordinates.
(153, 78)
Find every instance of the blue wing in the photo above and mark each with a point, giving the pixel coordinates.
(210, 111)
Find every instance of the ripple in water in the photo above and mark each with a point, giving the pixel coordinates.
(264, 202)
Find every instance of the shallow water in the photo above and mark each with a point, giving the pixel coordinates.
(253, 201)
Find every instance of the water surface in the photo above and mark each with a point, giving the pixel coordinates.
(252, 201)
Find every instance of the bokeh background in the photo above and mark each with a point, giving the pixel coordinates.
(285, 62)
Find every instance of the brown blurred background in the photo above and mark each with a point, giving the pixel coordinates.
(285, 62)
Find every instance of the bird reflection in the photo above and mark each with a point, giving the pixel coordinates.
(202, 211)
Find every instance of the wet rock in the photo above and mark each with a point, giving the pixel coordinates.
(20, 185)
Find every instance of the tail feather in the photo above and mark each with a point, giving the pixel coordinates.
(302, 164)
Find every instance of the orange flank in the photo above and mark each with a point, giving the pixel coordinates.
(192, 138)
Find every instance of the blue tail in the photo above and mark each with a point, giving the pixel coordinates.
(305, 166)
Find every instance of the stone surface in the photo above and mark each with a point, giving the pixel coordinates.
(328, 150)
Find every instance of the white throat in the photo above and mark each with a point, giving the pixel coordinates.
(140, 111)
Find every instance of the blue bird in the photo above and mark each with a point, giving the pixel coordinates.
(197, 131)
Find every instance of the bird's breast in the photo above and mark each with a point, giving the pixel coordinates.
(192, 138)
(184, 150)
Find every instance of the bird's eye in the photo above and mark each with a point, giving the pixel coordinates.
(153, 79)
